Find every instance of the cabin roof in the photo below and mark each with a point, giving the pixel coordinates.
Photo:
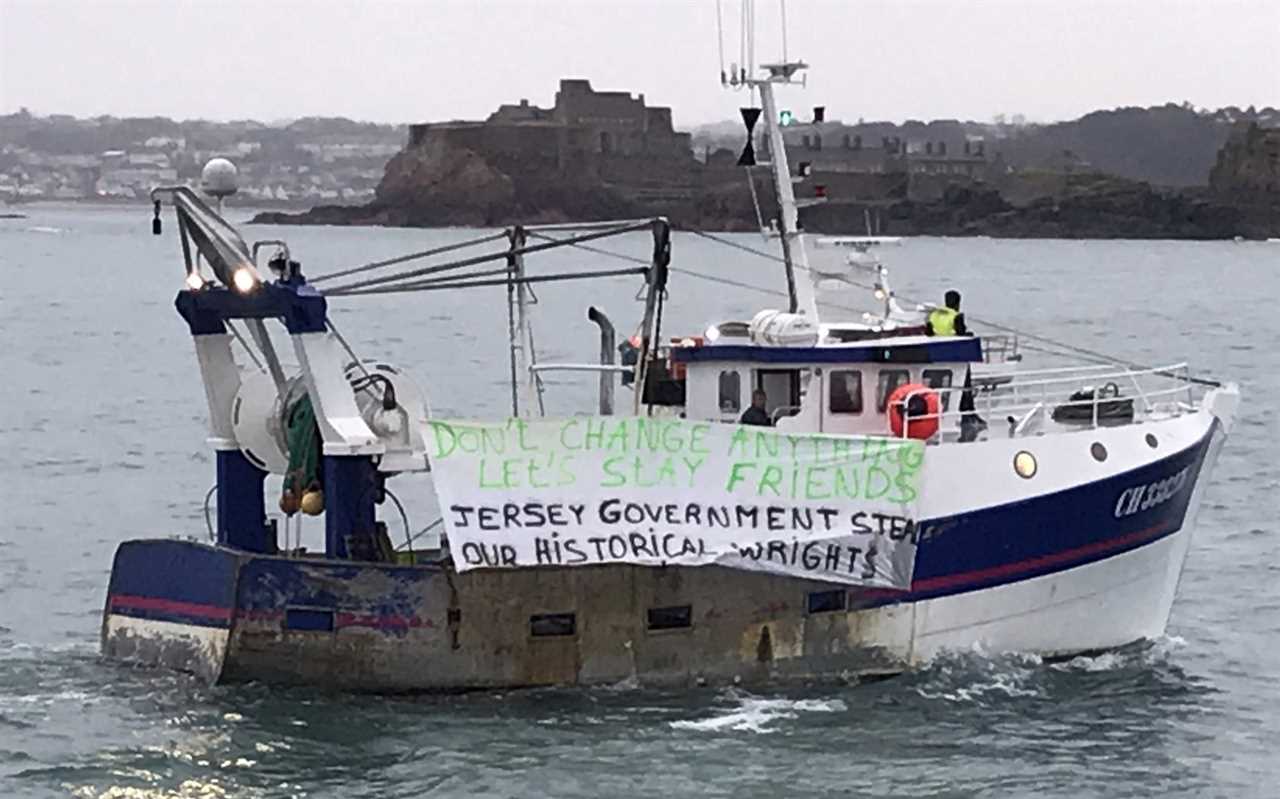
(913, 349)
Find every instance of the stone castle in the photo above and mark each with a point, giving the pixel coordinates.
(584, 129)
(592, 155)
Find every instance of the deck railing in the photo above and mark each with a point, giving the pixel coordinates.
(1000, 349)
(1028, 394)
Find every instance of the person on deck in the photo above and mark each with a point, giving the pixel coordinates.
(757, 414)
(947, 320)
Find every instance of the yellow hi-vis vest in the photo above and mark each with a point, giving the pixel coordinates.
(943, 321)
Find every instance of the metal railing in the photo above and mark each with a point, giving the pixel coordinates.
(1168, 389)
(1000, 349)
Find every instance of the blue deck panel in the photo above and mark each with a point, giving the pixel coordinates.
(954, 350)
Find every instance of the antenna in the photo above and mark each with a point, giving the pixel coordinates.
(787, 72)
(782, 4)
(724, 81)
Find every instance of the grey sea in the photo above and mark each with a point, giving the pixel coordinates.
(102, 434)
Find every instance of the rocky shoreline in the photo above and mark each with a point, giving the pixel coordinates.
(1115, 210)
(455, 176)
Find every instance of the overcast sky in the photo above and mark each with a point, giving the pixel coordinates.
(421, 60)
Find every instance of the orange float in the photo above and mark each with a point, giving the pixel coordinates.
(923, 411)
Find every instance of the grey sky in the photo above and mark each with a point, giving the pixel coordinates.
(406, 61)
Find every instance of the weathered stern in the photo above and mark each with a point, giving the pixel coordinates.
(171, 603)
(232, 616)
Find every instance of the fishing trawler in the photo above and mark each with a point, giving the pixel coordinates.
(897, 503)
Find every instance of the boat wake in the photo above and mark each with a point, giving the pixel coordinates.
(979, 677)
(757, 714)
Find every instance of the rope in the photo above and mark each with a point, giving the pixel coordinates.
(726, 281)
(404, 517)
(208, 523)
(755, 201)
(352, 288)
(462, 282)
(410, 257)
(428, 270)
(354, 358)
(589, 248)
(735, 245)
(245, 343)
(426, 530)
(1082, 352)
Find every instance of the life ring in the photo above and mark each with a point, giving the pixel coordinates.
(922, 411)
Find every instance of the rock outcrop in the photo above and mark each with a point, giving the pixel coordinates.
(606, 155)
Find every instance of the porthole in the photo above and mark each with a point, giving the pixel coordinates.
(1152, 441)
(1098, 451)
(827, 601)
(672, 618)
(548, 625)
(1024, 463)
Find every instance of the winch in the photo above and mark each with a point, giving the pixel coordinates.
(389, 402)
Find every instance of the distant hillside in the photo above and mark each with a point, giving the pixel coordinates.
(1169, 145)
(60, 134)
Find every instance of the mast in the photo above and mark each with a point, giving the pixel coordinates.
(803, 300)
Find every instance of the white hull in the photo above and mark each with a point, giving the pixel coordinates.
(1103, 605)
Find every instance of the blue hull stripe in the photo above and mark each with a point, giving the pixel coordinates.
(1050, 533)
(194, 584)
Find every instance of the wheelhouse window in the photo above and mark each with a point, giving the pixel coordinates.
(939, 378)
(782, 391)
(889, 381)
(730, 392)
(845, 395)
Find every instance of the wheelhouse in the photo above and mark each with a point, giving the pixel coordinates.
(839, 388)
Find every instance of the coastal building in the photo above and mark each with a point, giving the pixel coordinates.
(874, 162)
(584, 131)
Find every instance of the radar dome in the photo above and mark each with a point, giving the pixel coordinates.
(218, 178)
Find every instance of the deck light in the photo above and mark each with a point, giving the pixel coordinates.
(1024, 463)
(712, 333)
(243, 280)
(194, 281)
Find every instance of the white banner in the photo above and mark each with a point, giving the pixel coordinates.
(655, 491)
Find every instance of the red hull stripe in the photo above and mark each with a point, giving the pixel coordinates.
(1037, 564)
(347, 619)
(157, 604)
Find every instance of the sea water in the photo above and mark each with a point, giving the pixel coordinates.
(102, 432)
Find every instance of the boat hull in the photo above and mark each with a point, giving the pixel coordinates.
(1079, 567)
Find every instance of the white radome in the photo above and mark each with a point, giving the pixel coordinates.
(219, 178)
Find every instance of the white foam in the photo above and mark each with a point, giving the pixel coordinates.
(1107, 661)
(1008, 684)
(974, 675)
(755, 714)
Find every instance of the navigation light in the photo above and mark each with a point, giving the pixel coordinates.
(243, 280)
